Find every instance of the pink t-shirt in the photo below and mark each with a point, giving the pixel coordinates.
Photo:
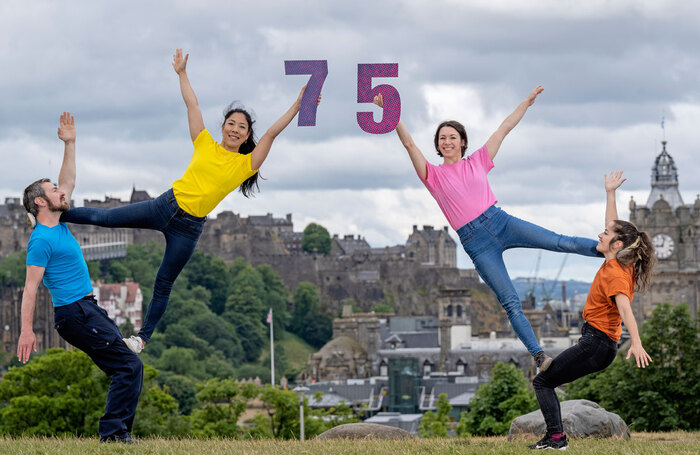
(461, 189)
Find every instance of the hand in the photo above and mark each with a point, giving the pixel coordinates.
(643, 359)
(379, 100)
(301, 94)
(613, 181)
(531, 97)
(180, 63)
(66, 127)
(25, 345)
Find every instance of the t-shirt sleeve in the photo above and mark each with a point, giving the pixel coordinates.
(429, 180)
(203, 138)
(38, 252)
(620, 285)
(482, 159)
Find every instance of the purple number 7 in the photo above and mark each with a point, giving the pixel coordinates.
(366, 94)
(318, 69)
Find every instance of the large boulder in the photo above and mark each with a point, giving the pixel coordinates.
(581, 418)
(364, 431)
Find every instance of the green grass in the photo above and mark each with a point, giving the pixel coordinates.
(296, 350)
(641, 443)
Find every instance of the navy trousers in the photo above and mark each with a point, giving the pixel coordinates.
(88, 327)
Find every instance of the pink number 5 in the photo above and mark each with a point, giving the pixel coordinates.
(365, 94)
(318, 69)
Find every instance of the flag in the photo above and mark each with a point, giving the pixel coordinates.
(269, 316)
(662, 122)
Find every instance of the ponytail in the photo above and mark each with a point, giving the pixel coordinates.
(637, 250)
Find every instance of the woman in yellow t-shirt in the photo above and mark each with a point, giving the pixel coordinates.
(629, 260)
(215, 170)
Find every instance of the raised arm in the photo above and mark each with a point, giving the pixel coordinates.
(625, 308)
(612, 183)
(417, 157)
(27, 338)
(194, 114)
(262, 149)
(494, 142)
(66, 133)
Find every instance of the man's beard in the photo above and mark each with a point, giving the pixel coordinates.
(64, 207)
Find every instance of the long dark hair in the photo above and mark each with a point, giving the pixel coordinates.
(460, 129)
(249, 186)
(637, 249)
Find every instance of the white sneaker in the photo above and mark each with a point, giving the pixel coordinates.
(134, 343)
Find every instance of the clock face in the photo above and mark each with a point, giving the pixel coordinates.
(663, 245)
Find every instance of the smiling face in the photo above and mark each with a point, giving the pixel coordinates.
(235, 131)
(450, 143)
(54, 198)
(606, 245)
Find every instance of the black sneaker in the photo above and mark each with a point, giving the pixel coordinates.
(548, 443)
(543, 361)
(122, 438)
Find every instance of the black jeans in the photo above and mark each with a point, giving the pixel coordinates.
(87, 327)
(181, 231)
(593, 352)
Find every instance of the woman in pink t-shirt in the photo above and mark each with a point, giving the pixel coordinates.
(461, 189)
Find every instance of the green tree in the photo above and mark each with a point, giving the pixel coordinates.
(211, 273)
(56, 393)
(666, 394)
(313, 324)
(276, 297)
(434, 424)
(316, 239)
(496, 403)
(222, 403)
(13, 269)
(127, 328)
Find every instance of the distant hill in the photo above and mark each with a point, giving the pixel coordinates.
(542, 286)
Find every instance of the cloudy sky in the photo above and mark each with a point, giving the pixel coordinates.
(610, 69)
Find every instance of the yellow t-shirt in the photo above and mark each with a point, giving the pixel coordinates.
(212, 174)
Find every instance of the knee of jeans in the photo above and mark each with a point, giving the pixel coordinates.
(538, 381)
(513, 307)
(162, 286)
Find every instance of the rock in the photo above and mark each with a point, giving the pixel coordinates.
(581, 419)
(364, 431)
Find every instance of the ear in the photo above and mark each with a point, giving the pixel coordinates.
(617, 245)
(40, 201)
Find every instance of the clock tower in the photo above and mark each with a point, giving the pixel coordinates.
(674, 228)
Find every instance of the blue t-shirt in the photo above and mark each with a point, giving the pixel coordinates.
(66, 275)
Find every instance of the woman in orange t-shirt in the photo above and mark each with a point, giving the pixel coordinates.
(629, 259)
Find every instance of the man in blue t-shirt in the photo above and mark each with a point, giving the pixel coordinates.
(54, 255)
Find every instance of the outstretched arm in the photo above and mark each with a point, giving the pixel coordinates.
(625, 309)
(194, 114)
(66, 133)
(27, 338)
(494, 142)
(417, 158)
(262, 149)
(612, 182)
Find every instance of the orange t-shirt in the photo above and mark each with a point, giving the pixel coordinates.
(600, 310)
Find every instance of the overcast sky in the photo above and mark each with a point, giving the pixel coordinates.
(610, 70)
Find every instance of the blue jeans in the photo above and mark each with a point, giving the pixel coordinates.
(593, 352)
(87, 327)
(181, 231)
(486, 238)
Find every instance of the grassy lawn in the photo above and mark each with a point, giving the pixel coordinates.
(641, 443)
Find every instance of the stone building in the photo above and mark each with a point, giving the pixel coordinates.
(122, 301)
(442, 344)
(674, 228)
(11, 322)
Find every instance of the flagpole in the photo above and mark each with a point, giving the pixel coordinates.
(272, 349)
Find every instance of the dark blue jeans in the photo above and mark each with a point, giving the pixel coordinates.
(593, 352)
(181, 231)
(494, 231)
(87, 327)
